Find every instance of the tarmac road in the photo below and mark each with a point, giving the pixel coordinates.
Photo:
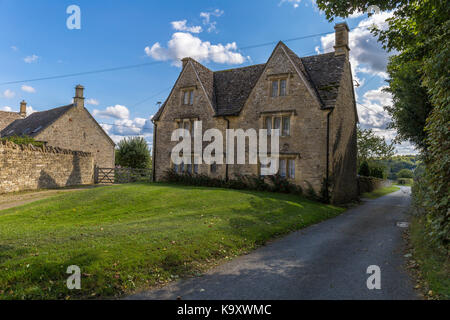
(324, 261)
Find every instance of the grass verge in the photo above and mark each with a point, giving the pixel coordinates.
(137, 236)
(433, 265)
(380, 192)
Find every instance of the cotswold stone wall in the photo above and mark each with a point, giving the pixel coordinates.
(368, 184)
(28, 167)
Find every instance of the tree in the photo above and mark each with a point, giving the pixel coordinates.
(371, 146)
(133, 153)
(405, 173)
(364, 169)
(377, 172)
(419, 31)
(411, 104)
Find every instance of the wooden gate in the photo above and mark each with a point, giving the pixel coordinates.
(122, 175)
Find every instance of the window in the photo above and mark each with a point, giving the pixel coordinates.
(279, 88)
(186, 168)
(282, 87)
(277, 123)
(286, 126)
(281, 123)
(268, 125)
(287, 168)
(188, 97)
(187, 125)
(282, 170)
(274, 88)
(291, 168)
(263, 166)
(213, 167)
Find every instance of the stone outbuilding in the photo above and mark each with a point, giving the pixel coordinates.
(69, 127)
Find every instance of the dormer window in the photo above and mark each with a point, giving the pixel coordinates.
(279, 87)
(188, 97)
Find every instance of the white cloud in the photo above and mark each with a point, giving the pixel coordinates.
(371, 112)
(14, 48)
(295, 3)
(211, 25)
(30, 110)
(9, 94)
(123, 126)
(93, 102)
(373, 116)
(185, 44)
(28, 89)
(181, 26)
(366, 53)
(117, 111)
(31, 59)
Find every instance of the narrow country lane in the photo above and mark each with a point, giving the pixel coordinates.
(325, 261)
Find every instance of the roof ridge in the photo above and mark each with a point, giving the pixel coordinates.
(231, 69)
(317, 55)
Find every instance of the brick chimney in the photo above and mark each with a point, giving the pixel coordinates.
(23, 109)
(78, 100)
(341, 39)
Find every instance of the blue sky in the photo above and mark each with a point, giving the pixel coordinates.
(35, 42)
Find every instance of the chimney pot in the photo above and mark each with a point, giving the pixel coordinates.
(341, 39)
(23, 108)
(78, 100)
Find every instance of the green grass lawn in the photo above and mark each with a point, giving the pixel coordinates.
(380, 192)
(137, 236)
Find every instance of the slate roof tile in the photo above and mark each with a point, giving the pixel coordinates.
(228, 90)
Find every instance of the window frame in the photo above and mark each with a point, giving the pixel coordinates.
(287, 159)
(188, 96)
(291, 175)
(282, 117)
(280, 167)
(286, 133)
(276, 83)
(182, 168)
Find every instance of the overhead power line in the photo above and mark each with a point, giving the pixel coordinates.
(68, 75)
(84, 73)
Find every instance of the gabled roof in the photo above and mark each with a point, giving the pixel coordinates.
(38, 121)
(233, 87)
(35, 122)
(228, 90)
(325, 71)
(6, 117)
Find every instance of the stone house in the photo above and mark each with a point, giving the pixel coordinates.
(310, 99)
(69, 127)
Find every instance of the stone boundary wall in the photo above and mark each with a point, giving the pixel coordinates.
(368, 184)
(26, 167)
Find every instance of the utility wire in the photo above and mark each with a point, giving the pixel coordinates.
(84, 73)
(157, 62)
(148, 63)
